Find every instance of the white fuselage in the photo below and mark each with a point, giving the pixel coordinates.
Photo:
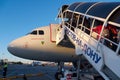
(37, 46)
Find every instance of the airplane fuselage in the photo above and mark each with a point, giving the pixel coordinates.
(38, 46)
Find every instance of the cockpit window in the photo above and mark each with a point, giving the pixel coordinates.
(41, 32)
(37, 32)
(34, 32)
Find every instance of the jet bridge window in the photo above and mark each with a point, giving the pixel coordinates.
(80, 21)
(41, 32)
(34, 32)
(86, 25)
(75, 19)
(68, 16)
(111, 40)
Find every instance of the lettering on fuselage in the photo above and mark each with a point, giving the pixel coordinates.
(92, 54)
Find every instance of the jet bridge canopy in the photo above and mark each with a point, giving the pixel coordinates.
(94, 8)
(73, 6)
(79, 22)
(84, 7)
(106, 9)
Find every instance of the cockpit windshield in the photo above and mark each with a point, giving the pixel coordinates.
(41, 32)
(34, 32)
(37, 32)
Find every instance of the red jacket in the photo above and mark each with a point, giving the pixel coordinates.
(97, 29)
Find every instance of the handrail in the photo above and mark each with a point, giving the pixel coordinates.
(100, 36)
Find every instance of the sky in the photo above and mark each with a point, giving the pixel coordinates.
(18, 17)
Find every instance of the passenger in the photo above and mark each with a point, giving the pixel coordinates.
(113, 36)
(105, 34)
(113, 33)
(97, 29)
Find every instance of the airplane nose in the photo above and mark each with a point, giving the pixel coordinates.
(13, 46)
(16, 46)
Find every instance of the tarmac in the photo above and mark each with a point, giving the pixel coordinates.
(28, 72)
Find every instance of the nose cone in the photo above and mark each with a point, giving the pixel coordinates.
(16, 46)
(13, 46)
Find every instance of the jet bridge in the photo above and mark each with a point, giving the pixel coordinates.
(94, 29)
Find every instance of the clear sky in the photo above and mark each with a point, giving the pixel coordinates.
(18, 17)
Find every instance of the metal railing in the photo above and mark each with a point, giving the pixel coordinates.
(114, 46)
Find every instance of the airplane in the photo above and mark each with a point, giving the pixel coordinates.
(40, 45)
(37, 45)
(75, 36)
